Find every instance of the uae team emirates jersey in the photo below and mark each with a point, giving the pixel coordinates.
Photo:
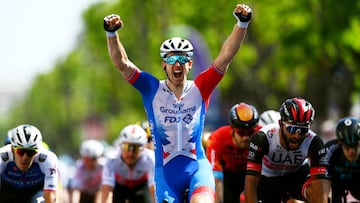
(269, 158)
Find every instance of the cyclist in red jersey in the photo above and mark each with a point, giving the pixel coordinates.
(227, 150)
(277, 168)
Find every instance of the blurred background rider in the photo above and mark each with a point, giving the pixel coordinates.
(85, 185)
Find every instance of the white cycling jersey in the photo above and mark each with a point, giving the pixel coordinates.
(87, 180)
(117, 171)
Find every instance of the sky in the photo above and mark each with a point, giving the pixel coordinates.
(34, 35)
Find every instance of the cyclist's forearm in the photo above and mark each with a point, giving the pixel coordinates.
(119, 57)
(230, 47)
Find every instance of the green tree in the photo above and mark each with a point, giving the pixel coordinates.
(293, 48)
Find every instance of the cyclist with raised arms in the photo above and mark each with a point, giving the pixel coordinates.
(343, 160)
(176, 108)
(227, 150)
(276, 166)
(129, 170)
(28, 172)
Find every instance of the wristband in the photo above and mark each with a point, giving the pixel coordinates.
(111, 34)
(243, 24)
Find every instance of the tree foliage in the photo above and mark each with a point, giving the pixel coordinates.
(293, 48)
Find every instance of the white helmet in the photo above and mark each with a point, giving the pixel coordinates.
(176, 44)
(9, 135)
(133, 134)
(26, 136)
(269, 116)
(91, 148)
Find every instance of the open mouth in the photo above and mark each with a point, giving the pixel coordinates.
(177, 73)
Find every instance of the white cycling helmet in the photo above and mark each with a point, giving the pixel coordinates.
(176, 44)
(269, 116)
(133, 134)
(26, 136)
(9, 135)
(91, 148)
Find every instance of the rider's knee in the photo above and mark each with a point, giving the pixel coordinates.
(203, 195)
(201, 199)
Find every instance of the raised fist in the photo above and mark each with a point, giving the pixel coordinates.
(112, 23)
(242, 13)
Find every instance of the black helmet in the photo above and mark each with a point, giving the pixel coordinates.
(297, 111)
(243, 115)
(348, 131)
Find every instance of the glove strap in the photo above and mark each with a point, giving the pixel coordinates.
(111, 34)
(242, 24)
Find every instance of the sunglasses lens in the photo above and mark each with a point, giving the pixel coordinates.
(21, 152)
(296, 129)
(172, 59)
(244, 133)
(131, 147)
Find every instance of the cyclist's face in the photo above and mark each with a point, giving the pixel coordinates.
(351, 152)
(242, 138)
(90, 162)
(130, 153)
(24, 158)
(293, 135)
(177, 67)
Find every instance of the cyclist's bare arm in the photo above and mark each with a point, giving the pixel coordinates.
(49, 196)
(318, 191)
(106, 190)
(234, 40)
(251, 184)
(152, 193)
(116, 49)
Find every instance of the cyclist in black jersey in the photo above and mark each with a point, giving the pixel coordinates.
(343, 160)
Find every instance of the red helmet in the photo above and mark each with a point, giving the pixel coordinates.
(243, 115)
(297, 111)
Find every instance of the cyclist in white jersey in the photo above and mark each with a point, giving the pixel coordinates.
(85, 185)
(176, 108)
(128, 172)
(276, 166)
(28, 172)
